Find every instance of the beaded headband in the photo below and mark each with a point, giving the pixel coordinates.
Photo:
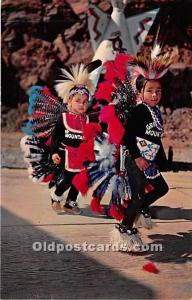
(79, 90)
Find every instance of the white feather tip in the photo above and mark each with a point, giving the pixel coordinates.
(155, 51)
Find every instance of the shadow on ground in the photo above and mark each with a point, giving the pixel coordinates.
(177, 166)
(28, 274)
(176, 248)
(170, 213)
(86, 211)
(157, 212)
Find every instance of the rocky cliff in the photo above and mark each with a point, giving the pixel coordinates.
(40, 36)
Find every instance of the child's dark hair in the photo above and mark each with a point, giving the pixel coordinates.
(141, 82)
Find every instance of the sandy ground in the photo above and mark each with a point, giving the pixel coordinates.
(28, 274)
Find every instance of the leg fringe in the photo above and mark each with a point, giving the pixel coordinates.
(141, 221)
(120, 240)
(54, 196)
(125, 242)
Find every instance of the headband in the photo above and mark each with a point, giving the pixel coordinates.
(79, 90)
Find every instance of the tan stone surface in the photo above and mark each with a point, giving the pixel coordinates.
(27, 217)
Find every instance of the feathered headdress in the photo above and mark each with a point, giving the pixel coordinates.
(75, 81)
(153, 67)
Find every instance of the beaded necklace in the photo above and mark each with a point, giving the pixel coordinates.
(156, 116)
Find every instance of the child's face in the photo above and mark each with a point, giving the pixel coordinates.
(78, 103)
(151, 94)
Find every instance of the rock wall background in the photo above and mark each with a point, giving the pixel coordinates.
(40, 36)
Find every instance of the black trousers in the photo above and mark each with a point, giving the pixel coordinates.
(139, 200)
(65, 183)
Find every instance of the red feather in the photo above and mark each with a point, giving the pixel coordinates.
(148, 188)
(80, 181)
(120, 64)
(48, 142)
(115, 128)
(121, 61)
(85, 152)
(104, 91)
(48, 178)
(116, 214)
(111, 71)
(46, 91)
(86, 148)
(38, 114)
(117, 69)
(96, 106)
(91, 130)
(81, 154)
(150, 267)
(116, 131)
(107, 113)
(90, 150)
(95, 205)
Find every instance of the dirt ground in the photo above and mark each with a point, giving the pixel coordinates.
(27, 219)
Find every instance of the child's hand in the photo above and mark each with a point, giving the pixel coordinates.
(141, 163)
(56, 158)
